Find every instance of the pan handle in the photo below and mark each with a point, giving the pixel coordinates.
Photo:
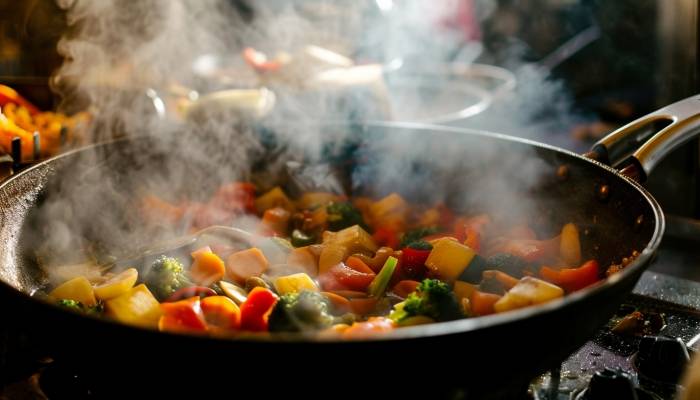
(636, 148)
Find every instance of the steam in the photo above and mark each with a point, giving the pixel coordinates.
(118, 51)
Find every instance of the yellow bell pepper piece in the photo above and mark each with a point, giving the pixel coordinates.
(449, 258)
(135, 307)
(274, 198)
(529, 291)
(117, 285)
(570, 245)
(294, 283)
(78, 289)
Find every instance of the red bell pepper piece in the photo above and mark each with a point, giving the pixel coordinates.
(572, 279)
(9, 95)
(182, 316)
(386, 237)
(412, 264)
(256, 308)
(342, 277)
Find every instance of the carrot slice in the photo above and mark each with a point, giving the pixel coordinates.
(207, 268)
(482, 303)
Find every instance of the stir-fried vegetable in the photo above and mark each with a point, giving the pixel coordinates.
(316, 267)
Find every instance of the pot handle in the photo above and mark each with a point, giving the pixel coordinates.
(636, 148)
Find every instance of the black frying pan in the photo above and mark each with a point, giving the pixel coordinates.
(484, 356)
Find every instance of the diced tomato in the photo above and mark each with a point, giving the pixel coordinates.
(182, 316)
(386, 237)
(256, 309)
(342, 277)
(572, 279)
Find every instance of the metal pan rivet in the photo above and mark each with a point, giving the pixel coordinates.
(639, 221)
(604, 192)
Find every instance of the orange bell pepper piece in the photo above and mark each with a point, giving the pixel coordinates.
(207, 268)
(222, 312)
(9, 95)
(572, 279)
(482, 303)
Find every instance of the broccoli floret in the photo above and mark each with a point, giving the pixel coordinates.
(508, 263)
(166, 276)
(420, 245)
(434, 299)
(78, 306)
(343, 215)
(415, 235)
(297, 312)
(301, 239)
(71, 304)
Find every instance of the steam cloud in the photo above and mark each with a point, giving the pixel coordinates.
(117, 50)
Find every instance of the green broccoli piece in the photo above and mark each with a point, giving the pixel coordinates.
(301, 239)
(415, 235)
(298, 312)
(166, 276)
(420, 245)
(343, 215)
(71, 304)
(434, 299)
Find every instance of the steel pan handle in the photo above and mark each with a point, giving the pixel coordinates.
(638, 147)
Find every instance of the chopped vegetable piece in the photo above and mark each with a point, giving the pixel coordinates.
(389, 212)
(166, 276)
(246, 263)
(527, 292)
(277, 220)
(331, 255)
(376, 262)
(483, 303)
(416, 320)
(449, 259)
(570, 245)
(256, 308)
(463, 290)
(354, 238)
(301, 239)
(381, 281)
(294, 283)
(499, 279)
(78, 289)
(301, 311)
(138, 307)
(234, 292)
(572, 279)
(221, 311)
(339, 304)
(363, 305)
(303, 259)
(385, 236)
(343, 215)
(417, 235)
(508, 263)
(117, 285)
(182, 316)
(71, 304)
(358, 265)
(207, 268)
(342, 277)
(310, 200)
(274, 198)
(413, 262)
(404, 288)
(371, 327)
(190, 291)
(433, 299)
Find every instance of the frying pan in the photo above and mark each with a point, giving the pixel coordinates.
(480, 357)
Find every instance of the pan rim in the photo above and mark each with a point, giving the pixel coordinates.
(433, 330)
